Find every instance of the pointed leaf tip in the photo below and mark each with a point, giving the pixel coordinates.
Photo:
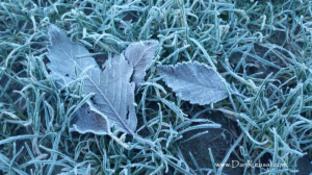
(140, 55)
(56, 34)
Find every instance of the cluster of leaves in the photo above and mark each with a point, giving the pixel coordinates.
(113, 94)
(261, 49)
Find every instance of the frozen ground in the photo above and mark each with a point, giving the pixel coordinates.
(262, 49)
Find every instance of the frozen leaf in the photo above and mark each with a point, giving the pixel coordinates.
(114, 94)
(140, 55)
(68, 59)
(194, 82)
(87, 120)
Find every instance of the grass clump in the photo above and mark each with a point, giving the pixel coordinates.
(262, 49)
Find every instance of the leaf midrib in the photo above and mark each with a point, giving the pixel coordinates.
(100, 92)
(111, 106)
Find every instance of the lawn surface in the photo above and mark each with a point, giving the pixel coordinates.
(262, 49)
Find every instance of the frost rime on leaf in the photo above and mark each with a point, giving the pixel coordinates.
(195, 82)
(114, 93)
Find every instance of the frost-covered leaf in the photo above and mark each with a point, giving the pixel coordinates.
(114, 94)
(140, 55)
(194, 82)
(68, 59)
(87, 120)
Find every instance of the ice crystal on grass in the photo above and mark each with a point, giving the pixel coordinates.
(262, 49)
